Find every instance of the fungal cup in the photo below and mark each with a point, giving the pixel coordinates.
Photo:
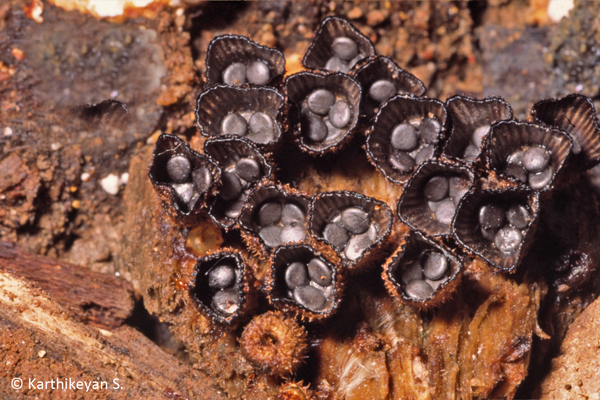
(221, 286)
(243, 166)
(337, 46)
(421, 272)
(528, 153)
(237, 60)
(303, 282)
(381, 79)
(576, 115)
(274, 215)
(253, 113)
(471, 121)
(497, 225)
(429, 200)
(325, 109)
(405, 133)
(183, 178)
(356, 227)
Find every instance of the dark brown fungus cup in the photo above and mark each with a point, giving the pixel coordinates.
(274, 344)
(183, 178)
(355, 226)
(302, 282)
(273, 215)
(237, 60)
(337, 46)
(243, 167)
(497, 225)
(222, 286)
(528, 153)
(291, 390)
(405, 133)
(421, 272)
(324, 109)
(471, 120)
(253, 113)
(576, 115)
(429, 200)
(382, 79)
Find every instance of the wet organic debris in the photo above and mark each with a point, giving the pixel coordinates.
(433, 41)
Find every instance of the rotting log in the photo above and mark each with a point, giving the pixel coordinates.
(158, 257)
(478, 345)
(575, 372)
(101, 300)
(42, 344)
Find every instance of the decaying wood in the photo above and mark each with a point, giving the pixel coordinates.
(478, 345)
(102, 300)
(41, 341)
(157, 255)
(576, 371)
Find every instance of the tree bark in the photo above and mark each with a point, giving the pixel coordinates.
(42, 344)
(101, 300)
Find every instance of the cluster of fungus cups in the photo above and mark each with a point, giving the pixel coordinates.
(471, 181)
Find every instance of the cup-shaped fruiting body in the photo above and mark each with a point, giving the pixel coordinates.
(222, 286)
(337, 46)
(405, 133)
(355, 226)
(471, 121)
(274, 344)
(237, 60)
(324, 109)
(429, 200)
(253, 113)
(243, 167)
(497, 225)
(274, 215)
(381, 79)
(294, 391)
(303, 282)
(528, 153)
(421, 272)
(576, 115)
(183, 178)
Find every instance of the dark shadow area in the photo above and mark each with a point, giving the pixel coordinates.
(213, 16)
(156, 331)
